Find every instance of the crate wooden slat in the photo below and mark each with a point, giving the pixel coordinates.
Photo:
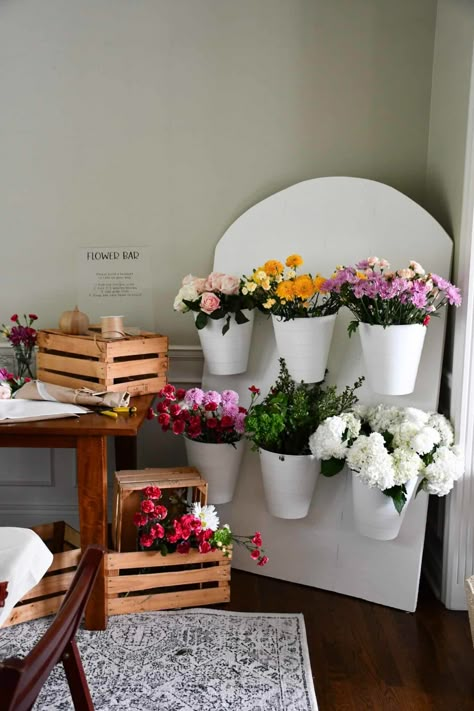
(136, 364)
(166, 582)
(127, 496)
(46, 597)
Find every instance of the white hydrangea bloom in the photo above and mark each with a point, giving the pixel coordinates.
(371, 462)
(418, 417)
(404, 433)
(444, 427)
(446, 468)
(327, 441)
(352, 424)
(425, 441)
(406, 465)
(384, 418)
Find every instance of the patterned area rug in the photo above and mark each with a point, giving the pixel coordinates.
(188, 660)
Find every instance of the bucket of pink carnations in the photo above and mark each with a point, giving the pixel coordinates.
(393, 453)
(392, 310)
(212, 425)
(303, 314)
(223, 315)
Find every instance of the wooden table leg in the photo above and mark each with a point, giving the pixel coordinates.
(91, 458)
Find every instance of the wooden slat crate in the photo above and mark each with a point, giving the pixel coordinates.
(140, 581)
(136, 364)
(127, 497)
(46, 597)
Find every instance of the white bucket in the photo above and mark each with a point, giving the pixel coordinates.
(218, 464)
(228, 354)
(392, 356)
(304, 344)
(288, 482)
(375, 515)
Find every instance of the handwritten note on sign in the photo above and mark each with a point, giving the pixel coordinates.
(116, 281)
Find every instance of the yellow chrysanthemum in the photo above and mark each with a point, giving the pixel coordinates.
(304, 288)
(273, 267)
(259, 275)
(361, 275)
(294, 260)
(286, 290)
(318, 281)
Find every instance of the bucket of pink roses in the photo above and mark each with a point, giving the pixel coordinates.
(212, 425)
(392, 310)
(303, 315)
(393, 453)
(224, 318)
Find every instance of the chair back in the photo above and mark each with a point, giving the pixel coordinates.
(21, 680)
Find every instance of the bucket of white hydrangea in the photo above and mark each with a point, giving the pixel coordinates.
(393, 453)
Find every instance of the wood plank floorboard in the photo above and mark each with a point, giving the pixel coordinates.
(368, 657)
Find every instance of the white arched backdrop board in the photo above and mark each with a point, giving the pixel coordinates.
(332, 221)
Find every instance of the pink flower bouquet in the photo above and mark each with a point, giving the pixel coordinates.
(218, 296)
(377, 295)
(205, 416)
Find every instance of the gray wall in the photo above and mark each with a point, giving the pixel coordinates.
(160, 121)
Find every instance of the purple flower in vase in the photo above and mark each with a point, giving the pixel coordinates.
(454, 295)
(194, 396)
(230, 396)
(211, 396)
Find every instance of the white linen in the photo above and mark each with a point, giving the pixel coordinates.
(24, 559)
(19, 410)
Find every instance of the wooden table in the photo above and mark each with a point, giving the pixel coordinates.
(87, 434)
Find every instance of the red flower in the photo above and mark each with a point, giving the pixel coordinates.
(161, 512)
(204, 547)
(426, 320)
(150, 415)
(157, 531)
(14, 318)
(33, 317)
(211, 406)
(152, 492)
(227, 422)
(147, 506)
(243, 410)
(194, 432)
(164, 419)
(255, 554)
(139, 520)
(257, 539)
(180, 393)
(183, 547)
(146, 541)
(175, 410)
(253, 389)
(162, 406)
(178, 427)
(212, 423)
(169, 391)
(263, 560)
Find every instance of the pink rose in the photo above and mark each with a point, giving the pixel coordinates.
(214, 281)
(230, 284)
(209, 302)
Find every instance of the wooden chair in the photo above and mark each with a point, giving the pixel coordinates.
(21, 680)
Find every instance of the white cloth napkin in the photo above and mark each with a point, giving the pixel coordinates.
(24, 559)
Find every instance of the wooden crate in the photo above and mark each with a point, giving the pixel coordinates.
(142, 581)
(136, 364)
(46, 597)
(127, 497)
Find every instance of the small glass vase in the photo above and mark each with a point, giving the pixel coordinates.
(24, 362)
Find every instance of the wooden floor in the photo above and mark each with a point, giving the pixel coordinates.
(367, 657)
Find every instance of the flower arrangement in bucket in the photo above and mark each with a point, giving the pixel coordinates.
(279, 428)
(189, 527)
(212, 424)
(393, 453)
(391, 310)
(22, 337)
(10, 383)
(218, 302)
(303, 314)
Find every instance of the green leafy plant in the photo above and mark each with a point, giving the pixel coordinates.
(290, 412)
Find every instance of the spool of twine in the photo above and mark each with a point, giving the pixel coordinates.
(112, 327)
